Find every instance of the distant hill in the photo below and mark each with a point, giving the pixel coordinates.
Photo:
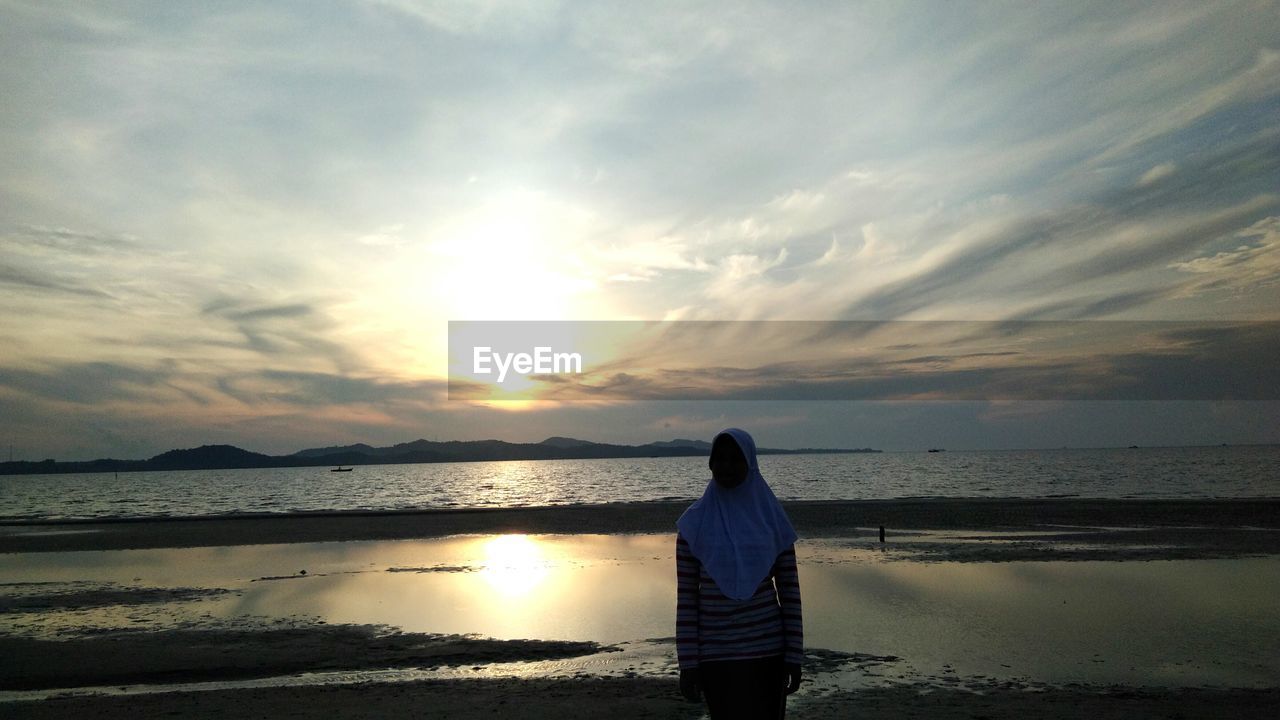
(219, 457)
(562, 442)
(317, 452)
(700, 444)
(210, 456)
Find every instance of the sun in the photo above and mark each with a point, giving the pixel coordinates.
(511, 259)
(515, 255)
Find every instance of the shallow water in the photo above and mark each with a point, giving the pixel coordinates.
(1105, 473)
(1186, 622)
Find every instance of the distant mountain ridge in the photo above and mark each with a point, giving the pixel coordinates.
(557, 441)
(678, 442)
(223, 457)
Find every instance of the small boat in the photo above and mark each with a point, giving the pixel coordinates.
(340, 469)
(937, 450)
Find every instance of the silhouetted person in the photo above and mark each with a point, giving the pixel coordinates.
(739, 634)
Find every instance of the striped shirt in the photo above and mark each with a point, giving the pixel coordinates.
(710, 626)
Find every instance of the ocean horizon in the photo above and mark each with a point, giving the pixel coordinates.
(1152, 473)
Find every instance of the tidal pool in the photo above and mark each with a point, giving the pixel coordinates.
(1177, 622)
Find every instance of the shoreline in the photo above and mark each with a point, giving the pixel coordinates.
(1252, 517)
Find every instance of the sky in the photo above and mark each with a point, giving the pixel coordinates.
(251, 223)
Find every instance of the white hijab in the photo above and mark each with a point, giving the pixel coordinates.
(737, 533)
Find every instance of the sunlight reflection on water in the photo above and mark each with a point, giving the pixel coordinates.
(1160, 622)
(514, 565)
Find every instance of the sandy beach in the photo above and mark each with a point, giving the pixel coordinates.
(60, 635)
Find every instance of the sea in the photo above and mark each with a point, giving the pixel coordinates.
(1180, 472)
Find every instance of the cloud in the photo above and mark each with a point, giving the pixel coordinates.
(257, 188)
(63, 239)
(476, 17)
(310, 389)
(798, 201)
(1089, 307)
(944, 362)
(35, 280)
(643, 258)
(61, 260)
(1241, 269)
(1150, 226)
(279, 311)
(88, 383)
(1160, 242)
(1242, 86)
(1157, 173)
(387, 236)
(297, 333)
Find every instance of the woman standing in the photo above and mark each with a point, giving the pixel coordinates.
(739, 634)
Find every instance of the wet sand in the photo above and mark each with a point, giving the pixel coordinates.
(1016, 703)
(811, 518)
(240, 651)
(586, 698)
(592, 698)
(962, 530)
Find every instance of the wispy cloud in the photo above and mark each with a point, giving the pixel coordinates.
(1157, 173)
(1253, 265)
(943, 361)
(88, 383)
(313, 192)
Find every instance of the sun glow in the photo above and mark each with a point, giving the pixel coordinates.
(514, 565)
(512, 258)
(514, 255)
(518, 405)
